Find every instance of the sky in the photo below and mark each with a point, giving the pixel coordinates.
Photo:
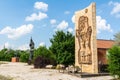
(22, 19)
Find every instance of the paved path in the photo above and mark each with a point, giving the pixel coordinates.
(21, 71)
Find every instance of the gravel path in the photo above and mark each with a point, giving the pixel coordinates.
(21, 71)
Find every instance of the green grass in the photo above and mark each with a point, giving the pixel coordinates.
(5, 78)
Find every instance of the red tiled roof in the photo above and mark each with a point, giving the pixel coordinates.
(105, 44)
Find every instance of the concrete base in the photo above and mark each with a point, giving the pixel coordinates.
(84, 75)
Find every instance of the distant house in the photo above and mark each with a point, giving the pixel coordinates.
(102, 47)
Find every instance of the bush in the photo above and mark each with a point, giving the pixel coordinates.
(41, 62)
(114, 61)
(9, 56)
(44, 53)
(24, 57)
(6, 54)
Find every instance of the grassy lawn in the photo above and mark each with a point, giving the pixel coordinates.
(5, 78)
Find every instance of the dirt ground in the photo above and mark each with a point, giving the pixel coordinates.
(22, 71)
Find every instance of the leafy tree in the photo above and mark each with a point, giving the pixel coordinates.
(114, 61)
(17, 53)
(63, 46)
(117, 38)
(6, 54)
(9, 54)
(2, 54)
(24, 56)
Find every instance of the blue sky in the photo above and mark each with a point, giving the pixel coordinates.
(22, 19)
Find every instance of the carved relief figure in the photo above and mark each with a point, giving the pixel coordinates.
(83, 33)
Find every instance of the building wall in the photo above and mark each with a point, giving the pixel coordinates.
(102, 56)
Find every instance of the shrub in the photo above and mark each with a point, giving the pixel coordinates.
(41, 62)
(44, 53)
(114, 61)
(6, 54)
(24, 56)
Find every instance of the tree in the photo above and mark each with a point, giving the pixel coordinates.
(24, 56)
(63, 46)
(2, 54)
(117, 38)
(6, 54)
(9, 54)
(114, 61)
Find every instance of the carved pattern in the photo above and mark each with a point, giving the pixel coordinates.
(83, 33)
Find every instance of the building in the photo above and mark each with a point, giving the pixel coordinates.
(102, 48)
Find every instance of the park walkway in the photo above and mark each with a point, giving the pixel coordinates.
(21, 71)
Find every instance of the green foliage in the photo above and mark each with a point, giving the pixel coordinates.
(45, 53)
(17, 53)
(65, 58)
(63, 46)
(2, 54)
(24, 56)
(6, 54)
(114, 61)
(9, 55)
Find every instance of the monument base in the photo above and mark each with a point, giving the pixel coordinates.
(85, 75)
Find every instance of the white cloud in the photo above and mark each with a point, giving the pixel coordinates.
(14, 33)
(1, 47)
(67, 12)
(41, 6)
(6, 45)
(70, 30)
(52, 21)
(63, 25)
(73, 19)
(42, 44)
(102, 25)
(35, 16)
(116, 9)
(23, 47)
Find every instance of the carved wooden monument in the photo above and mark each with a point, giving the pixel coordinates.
(85, 39)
